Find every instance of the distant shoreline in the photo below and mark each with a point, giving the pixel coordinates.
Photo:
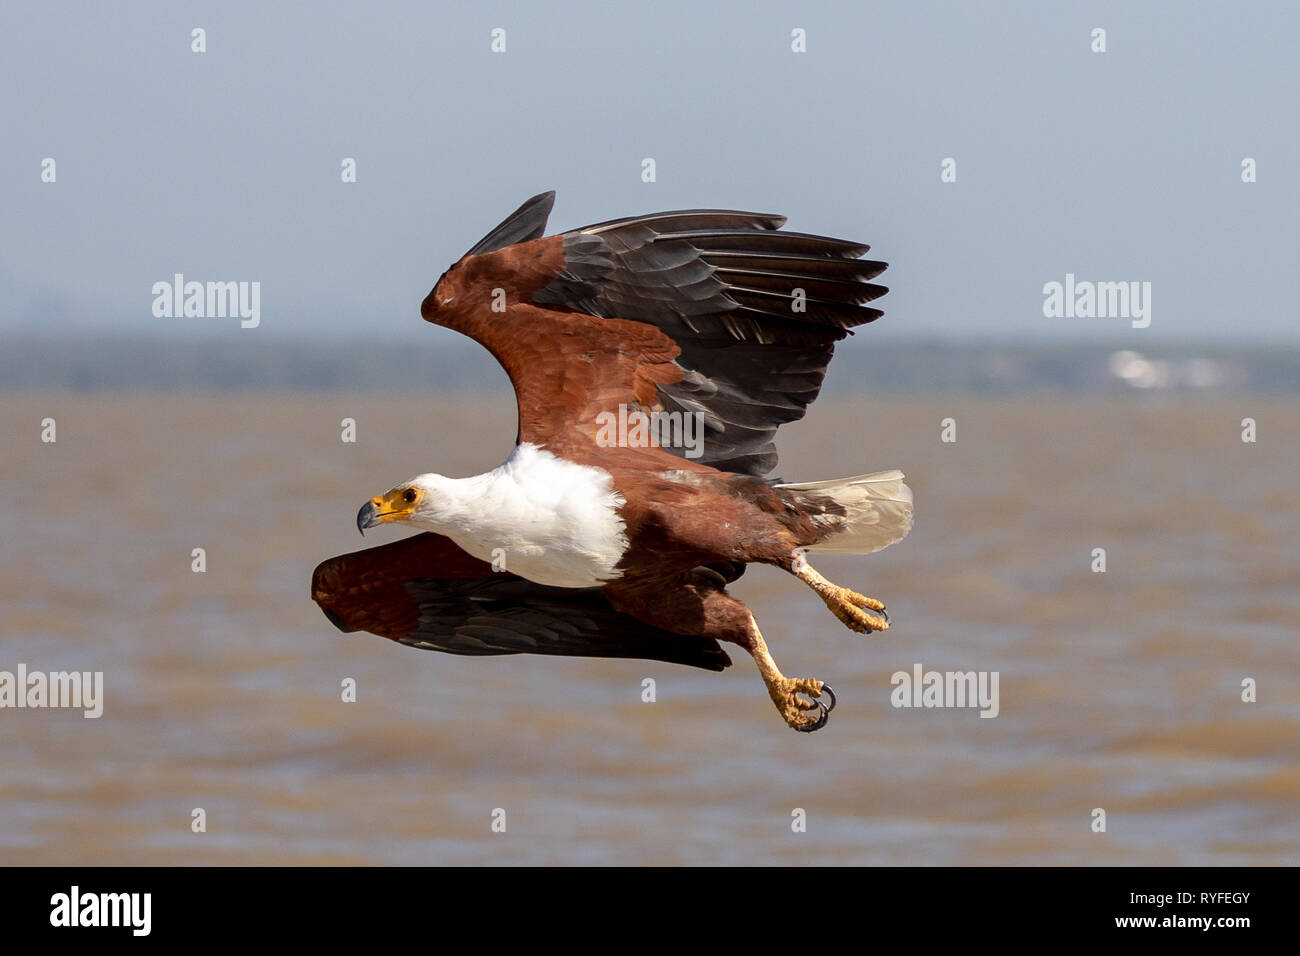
(262, 364)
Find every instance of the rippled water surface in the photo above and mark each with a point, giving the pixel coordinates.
(222, 690)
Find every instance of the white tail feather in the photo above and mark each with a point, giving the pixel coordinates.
(877, 511)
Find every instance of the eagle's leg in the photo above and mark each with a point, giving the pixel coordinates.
(853, 609)
(785, 691)
(698, 603)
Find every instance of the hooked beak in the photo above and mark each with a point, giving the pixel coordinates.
(390, 506)
(367, 517)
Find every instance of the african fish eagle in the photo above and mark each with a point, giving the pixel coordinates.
(589, 543)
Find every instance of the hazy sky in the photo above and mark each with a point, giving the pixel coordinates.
(1116, 166)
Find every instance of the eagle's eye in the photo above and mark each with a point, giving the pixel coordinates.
(409, 496)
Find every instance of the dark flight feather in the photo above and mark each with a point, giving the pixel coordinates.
(525, 223)
(426, 592)
(505, 614)
(721, 284)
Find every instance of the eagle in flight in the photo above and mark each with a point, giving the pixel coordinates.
(597, 539)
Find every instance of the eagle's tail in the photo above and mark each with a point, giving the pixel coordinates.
(860, 514)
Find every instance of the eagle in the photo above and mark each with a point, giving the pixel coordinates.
(653, 358)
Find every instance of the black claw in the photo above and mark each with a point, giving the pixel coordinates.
(825, 714)
(819, 723)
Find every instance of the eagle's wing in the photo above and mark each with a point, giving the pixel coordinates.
(714, 312)
(426, 592)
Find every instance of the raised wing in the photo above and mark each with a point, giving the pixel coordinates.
(711, 312)
(426, 592)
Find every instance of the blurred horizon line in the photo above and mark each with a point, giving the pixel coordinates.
(267, 363)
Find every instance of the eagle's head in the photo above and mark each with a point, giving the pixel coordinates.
(410, 501)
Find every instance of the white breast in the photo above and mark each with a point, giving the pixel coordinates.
(546, 519)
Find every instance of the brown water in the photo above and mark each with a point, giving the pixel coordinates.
(1118, 690)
